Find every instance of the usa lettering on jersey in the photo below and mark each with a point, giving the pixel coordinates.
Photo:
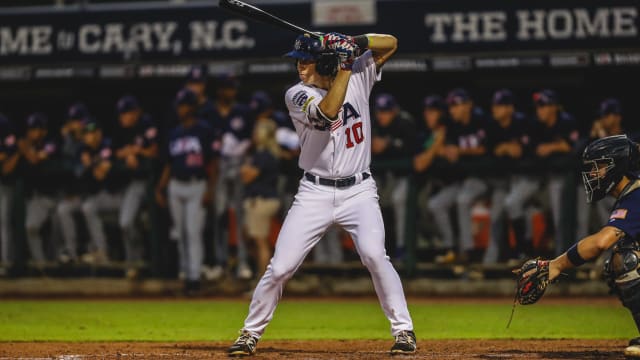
(184, 145)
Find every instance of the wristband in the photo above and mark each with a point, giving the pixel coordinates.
(574, 256)
(362, 41)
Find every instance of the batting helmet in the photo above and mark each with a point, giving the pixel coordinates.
(605, 161)
(310, 49)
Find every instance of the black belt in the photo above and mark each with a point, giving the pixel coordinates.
(339, 183)
(188, 178)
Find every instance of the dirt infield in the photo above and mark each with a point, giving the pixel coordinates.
(378, 349)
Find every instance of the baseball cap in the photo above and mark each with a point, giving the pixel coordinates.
(458, 96)
(545, 97)
(186, 97)
(610, 106)
(90, 124)
(127, 103)
(37, 120)
(434, 102)
(197, 73)
(385, 102)
(260, 101)
(503, 97)
(77, 111)
(226, 81)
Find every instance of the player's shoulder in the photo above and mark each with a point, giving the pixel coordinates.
(298, 94)
(566, 118)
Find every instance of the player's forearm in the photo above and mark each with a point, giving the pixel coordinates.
(475, 151)
(383, 46)
(150, 151)
(560, 146)
(586, 249)
(333, 100)
(10, 164)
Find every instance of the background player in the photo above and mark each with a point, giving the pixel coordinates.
(71, 201)
(393, 135)
(608, 169)
(236, 124)
(188, 175)
(38, 152)
(96, 158)
(8, 160)
(136, 144)
(465, 146)
(330, 110)
(506, 141)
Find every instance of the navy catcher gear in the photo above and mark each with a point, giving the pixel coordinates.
(605, 161)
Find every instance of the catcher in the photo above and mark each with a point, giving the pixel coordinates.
(609, 166)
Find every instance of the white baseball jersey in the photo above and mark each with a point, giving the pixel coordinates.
(344, 149)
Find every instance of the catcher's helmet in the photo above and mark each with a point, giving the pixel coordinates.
(310, 49)
(605, 161)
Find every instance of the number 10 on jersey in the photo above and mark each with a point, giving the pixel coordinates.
(354, 131)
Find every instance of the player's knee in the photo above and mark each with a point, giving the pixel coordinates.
(372, 259)
(125, 223)
(64, 208)
(434, 206)
(280, 272)
(88, 208)
(464, 199)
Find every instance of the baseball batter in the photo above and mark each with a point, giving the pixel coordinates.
(330, 110)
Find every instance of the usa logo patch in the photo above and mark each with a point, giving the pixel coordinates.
(299, 98)
(618, 214)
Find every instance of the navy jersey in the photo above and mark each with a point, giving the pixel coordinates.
(468, 136)
(471, 135)
(565, 128)
(626, 214)
(189, 150)
(104, 152)
(517, 131)
(235, 127)
(266, 183)
(144, 134)
(44, 176)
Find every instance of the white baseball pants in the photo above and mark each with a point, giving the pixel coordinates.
(315, 208)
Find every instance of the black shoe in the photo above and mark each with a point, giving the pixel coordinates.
(405, 343)
(245, 345)
(633, 350)
(191, 287)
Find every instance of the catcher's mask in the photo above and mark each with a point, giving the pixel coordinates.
(604, 162)
(310, 49)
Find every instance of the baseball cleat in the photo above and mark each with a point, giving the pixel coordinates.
(633, 350)
(405, 343)
(245, 345)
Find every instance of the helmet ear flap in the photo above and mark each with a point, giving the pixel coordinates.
(327, 64)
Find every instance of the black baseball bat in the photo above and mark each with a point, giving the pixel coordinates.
(251, 12)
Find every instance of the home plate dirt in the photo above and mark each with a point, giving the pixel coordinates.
(334, 349)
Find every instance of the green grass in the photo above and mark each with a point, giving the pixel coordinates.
(220, 320)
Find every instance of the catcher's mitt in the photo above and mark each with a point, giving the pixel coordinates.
(533, 278)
